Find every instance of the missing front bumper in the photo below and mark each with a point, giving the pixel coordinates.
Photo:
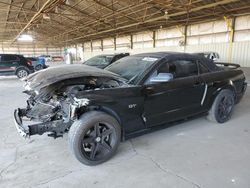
(31, 129)
(21, 129)
(57, 128)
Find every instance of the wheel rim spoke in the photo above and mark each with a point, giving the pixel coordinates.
(107, 133)
(89, 140)
(94, 149)
(106, 146)
(225, 107)
(97, 130)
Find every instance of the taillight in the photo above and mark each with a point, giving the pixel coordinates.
(29, 63)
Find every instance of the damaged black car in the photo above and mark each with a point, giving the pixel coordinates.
(136, 94)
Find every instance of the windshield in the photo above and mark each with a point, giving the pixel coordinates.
(131, 67)
(99, 60)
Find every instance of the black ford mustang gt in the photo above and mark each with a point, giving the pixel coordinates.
(136, 94)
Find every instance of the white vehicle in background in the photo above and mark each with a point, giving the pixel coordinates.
(47, 58)
(210, 55)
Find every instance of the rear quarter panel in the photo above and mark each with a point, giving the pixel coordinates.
(224, 79)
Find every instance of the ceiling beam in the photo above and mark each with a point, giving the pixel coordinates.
(109, 15)
(34, 17)
(222, 2)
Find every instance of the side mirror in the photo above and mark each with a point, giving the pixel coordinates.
(162, 77)
(215, 59)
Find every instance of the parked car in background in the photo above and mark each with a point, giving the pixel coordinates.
(15, 64)
(136, 94)
(210, 55)
(38, 63)
(57, 58)
(102, 61)
(47, 58)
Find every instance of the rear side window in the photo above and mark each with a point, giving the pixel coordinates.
(10, 58)
(183, 68)
(202, 68)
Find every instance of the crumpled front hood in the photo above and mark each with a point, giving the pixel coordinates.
(55, 74)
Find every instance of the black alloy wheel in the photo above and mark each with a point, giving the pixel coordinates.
(222, 108)
(98, 141)
(94, 137)
(225, 108)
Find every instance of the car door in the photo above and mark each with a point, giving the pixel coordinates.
(8, 64)
(177, 98)
(2, 65)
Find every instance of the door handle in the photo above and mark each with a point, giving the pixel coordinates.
(198, 83)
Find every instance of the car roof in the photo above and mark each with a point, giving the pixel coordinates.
(106, 55)
(125, 53)
(31, 57)
(162, 54)
(206, 52)
(11, 54)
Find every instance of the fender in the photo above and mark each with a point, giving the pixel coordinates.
(221, 86)
(110, 112)
(20, 68)
(100, 102)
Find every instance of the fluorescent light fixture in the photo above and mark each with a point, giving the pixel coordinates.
(67, 2)
(56, 9)
(46, 16)
(25, 38)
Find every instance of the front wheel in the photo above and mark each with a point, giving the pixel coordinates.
(94, 138)
(222, 107)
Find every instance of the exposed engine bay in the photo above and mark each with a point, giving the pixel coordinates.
(56, 106)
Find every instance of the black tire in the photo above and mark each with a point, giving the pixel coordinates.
(22, 72)
(38, 67)
(94, 138)
(222, 108)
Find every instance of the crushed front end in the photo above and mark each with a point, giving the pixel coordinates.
(53, 108)
(48, 111)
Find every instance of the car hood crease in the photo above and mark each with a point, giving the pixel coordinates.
(52, 75)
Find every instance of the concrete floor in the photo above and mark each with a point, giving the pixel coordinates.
(193, 154)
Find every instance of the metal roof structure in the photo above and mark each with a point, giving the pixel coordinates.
(65, 22)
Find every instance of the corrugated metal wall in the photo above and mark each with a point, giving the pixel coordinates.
(210, 36)
(31, 50)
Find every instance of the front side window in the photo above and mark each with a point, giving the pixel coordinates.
(183, 68)
(177, 69)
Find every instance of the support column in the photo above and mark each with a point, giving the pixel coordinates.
(231, 27)
(131, 42)
(91, 46)
(115, 43)
(102, 44)
(76, 51)
(154, 39)
(185, 37)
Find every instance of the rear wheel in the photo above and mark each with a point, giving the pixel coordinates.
(94, 138)
(22, 72)
(222, 107)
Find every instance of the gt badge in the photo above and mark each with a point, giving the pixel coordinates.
(132, 106)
